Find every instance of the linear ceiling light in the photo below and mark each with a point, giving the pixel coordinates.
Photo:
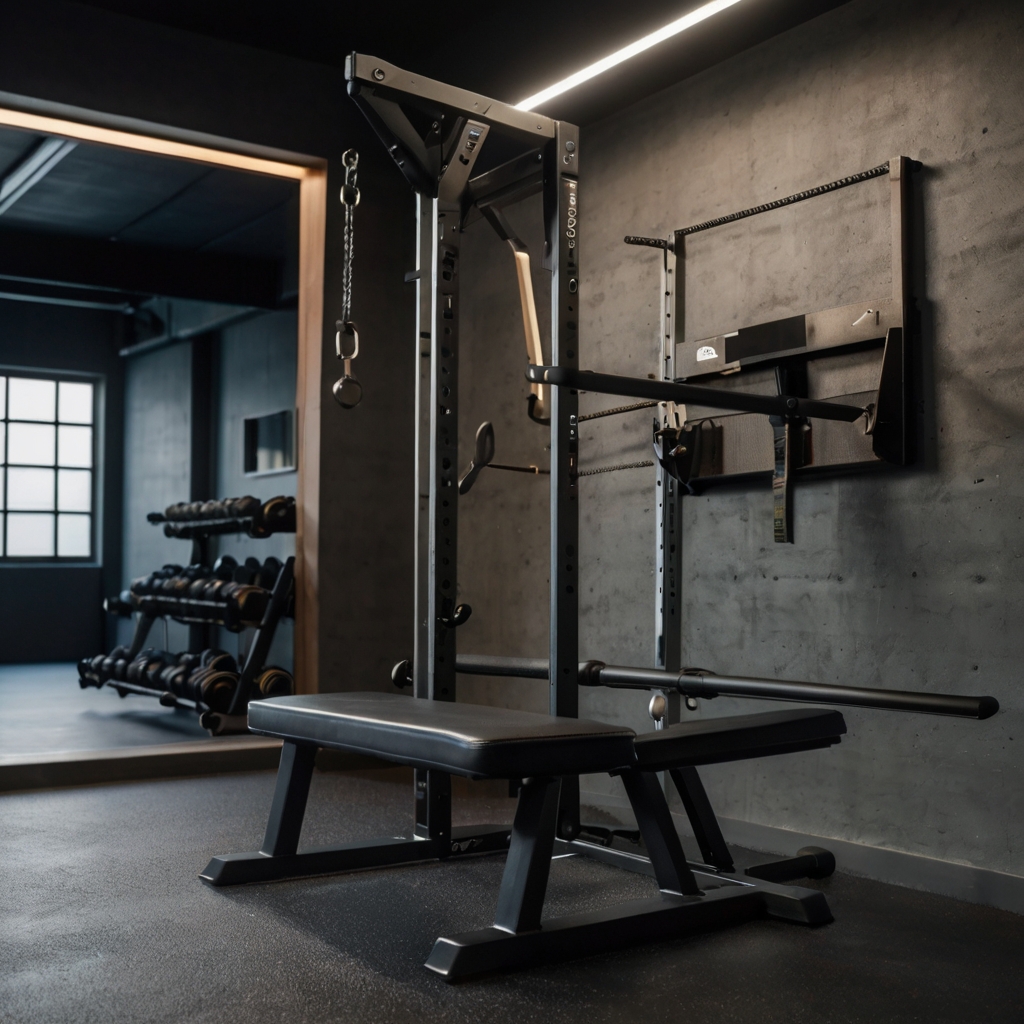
(670, 30)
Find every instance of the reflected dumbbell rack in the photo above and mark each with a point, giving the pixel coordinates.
(237, 597)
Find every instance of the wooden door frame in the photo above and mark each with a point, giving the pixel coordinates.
(311, 175)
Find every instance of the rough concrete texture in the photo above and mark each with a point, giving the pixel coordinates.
(158, 421)
(258, 363)
(105, 920)
(910, 579)
(503, 521)
(906, 580)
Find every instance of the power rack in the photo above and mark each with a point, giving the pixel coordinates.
(435, 134)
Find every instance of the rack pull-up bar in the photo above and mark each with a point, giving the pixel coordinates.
(700, 683)
(693, 394)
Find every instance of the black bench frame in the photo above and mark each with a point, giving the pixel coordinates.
(690, 896)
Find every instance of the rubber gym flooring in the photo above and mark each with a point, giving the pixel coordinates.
(102, 918)
(44, 710)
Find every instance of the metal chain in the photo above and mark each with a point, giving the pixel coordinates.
(646, 464)
(350, 200)
(618, 409)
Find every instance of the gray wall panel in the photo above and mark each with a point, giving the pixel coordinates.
(256, 376)
(156, 466)
(905, 580)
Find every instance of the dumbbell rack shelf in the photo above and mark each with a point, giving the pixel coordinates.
(234, 720)
(256, 608)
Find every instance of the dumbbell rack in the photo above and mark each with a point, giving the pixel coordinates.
(199, 611)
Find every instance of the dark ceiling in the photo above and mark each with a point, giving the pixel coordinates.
(116, 219)
(504, 50)
(104, 218)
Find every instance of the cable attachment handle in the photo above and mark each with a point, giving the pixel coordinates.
(348, 392)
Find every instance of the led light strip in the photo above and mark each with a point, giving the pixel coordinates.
(593, 70)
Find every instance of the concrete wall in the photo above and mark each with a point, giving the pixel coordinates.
(256, 376)
(503, 521)
(35, 598)
(910, 579)
(158, 433)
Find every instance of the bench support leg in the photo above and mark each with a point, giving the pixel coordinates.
(519, 939)
(279, 858)
(705, 825)
(525, 881)
(659, 833)
(289, 806)
(433, 805)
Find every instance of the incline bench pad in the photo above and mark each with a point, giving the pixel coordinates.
(464, 739)
(714, 740)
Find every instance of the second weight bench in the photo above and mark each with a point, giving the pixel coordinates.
(498, 743)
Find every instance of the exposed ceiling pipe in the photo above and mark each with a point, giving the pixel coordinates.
(32, 170)
(225, 318)
(62, 300)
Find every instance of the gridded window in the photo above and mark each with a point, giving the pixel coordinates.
(47, 479)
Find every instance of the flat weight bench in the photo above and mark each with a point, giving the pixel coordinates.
(497, 743)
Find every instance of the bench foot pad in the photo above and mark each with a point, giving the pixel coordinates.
(627, 924)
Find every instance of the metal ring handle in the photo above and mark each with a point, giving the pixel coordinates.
(350, 329)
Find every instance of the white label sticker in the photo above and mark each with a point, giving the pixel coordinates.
(706, 352)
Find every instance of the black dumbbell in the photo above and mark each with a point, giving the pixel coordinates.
(213, 687)
(120, 605)
(140, 585)
(248, 573)
(245, 506)
(279, 515)
(170, 678)
(250, 602)
(137, 669)
(224, 567)
(269, 572)
(154, 667)
(189, 660)
(220, 660)
(274, 682)
(87, 676)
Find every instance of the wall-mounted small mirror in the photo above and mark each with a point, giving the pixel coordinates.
(270, 443)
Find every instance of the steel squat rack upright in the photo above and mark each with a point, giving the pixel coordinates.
(436, 135)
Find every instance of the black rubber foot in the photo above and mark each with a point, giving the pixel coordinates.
(810, 862)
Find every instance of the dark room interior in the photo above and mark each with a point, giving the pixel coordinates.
(540, 477)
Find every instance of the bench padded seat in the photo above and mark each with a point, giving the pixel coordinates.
(715, 740)
(464, 739)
